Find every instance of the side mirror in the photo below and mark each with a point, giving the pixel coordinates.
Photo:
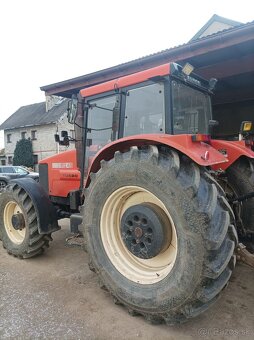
(64, 140)
(72, 110)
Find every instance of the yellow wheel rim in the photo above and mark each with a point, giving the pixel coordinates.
(16, 236)
(142, 271)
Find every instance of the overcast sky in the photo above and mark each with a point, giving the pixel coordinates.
(46, 41)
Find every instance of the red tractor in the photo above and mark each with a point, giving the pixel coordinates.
(158, 200)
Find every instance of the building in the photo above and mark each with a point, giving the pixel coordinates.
(38, 122)
(222, 49)
(2, 157)
(215, 25)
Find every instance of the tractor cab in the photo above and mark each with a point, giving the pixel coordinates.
(164, 100)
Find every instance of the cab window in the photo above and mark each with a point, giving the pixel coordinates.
(144, 112)
(191, 109)
(103, 120)
(102, 124)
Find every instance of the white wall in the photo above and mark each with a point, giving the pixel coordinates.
(214, 28)
(44, 145)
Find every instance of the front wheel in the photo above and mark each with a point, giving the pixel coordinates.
(19, 224)
(159, 234)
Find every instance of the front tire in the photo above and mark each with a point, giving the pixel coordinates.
(19, 224)
(180, 274)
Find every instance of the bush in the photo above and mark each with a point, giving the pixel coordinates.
(23, 154)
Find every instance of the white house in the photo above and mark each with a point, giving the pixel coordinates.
(38, 122)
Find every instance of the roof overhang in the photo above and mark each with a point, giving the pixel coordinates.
(222, 55)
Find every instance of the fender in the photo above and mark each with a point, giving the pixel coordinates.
(45, 211)
(233, 150)
(200, 152)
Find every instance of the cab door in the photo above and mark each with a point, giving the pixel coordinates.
(102, 124)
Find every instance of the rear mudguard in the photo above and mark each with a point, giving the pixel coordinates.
(233, 150)
(45, 211)
(200, 152)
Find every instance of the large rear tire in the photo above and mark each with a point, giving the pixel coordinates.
(159, 234)
(19, 225)
(239, 182)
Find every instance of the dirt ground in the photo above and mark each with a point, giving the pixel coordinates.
(56, 296)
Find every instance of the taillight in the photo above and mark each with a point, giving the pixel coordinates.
(199, 137)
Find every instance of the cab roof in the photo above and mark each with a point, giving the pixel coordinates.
(132, 79)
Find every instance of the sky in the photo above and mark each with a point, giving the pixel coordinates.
(47, 41)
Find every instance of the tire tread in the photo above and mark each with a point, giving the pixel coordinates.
(220, 239)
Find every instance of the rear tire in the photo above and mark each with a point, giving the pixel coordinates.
(239, 182)
(25, 242)
(185, 275)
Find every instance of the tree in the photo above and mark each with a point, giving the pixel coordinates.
(23, 153)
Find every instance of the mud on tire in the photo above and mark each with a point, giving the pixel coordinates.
(26, 242)
(201, 222)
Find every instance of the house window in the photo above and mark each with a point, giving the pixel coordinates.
(9, 159)
(33, 134)
(35, 157)
(23, 135)
(9, 138)
(72, 134)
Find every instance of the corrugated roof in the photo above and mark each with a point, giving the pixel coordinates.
(126, 68)
(34, 114)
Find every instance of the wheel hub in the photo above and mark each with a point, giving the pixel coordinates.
(18, 221)
(143, 230)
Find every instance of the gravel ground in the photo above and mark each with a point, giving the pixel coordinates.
(56, 296)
